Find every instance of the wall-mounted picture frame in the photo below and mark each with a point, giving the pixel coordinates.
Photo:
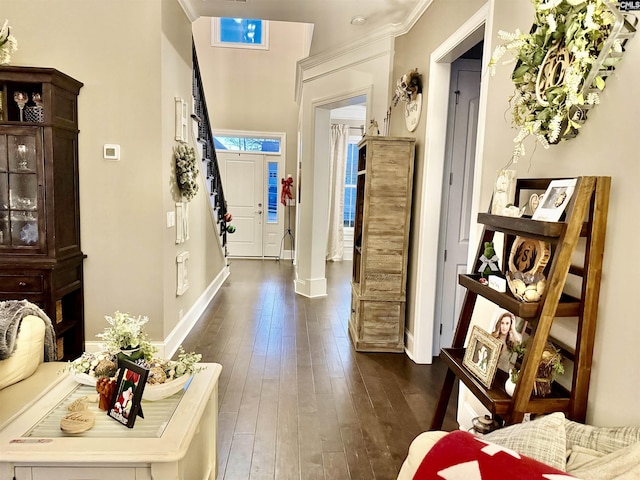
(481, 356)
(125, 405)
(555, 200)
(182, 119)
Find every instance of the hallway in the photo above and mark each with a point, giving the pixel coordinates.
(296, 400)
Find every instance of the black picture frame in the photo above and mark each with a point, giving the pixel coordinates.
(125, 405)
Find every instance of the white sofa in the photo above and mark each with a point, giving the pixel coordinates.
(587, 452)
(24, 376)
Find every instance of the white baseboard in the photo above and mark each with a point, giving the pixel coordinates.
(170, 345)
(311, 287)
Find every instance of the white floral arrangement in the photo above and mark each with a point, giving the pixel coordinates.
(126, 332)
(105, 364)
(574, 31)
(408, 87)
(186, 170)
(8, 43)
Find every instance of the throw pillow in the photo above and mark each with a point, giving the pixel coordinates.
(600, 439)
(543, 439)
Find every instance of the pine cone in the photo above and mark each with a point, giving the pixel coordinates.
(156, 375)
(106, 368)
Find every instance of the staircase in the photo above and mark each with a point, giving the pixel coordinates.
(209, 159)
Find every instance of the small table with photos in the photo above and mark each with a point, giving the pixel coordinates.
(175, 439)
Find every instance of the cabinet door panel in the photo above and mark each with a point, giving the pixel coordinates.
(381, 322)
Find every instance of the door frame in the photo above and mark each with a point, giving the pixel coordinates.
(419, 345)
(281, 223)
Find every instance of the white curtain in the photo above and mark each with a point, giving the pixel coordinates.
(338, 162)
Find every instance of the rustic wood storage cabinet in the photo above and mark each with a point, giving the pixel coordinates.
(381, 241)
(577, 246)
(40, 255)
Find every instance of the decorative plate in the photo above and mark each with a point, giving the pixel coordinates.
(412, 111)
(528, 255)
(29, 233)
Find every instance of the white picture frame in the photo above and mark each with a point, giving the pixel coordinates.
(182, 283)
(555, 200)
(182, 119)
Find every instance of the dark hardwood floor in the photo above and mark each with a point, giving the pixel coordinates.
(296, 400)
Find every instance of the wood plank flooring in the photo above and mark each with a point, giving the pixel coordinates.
(296, 400)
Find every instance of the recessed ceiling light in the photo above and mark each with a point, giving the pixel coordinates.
(358, 20)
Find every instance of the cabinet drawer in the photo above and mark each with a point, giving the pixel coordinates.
(21, 283)
(75, 473)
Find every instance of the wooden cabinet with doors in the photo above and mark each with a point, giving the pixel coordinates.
(381, 242)
(576, 252)
(40, 255)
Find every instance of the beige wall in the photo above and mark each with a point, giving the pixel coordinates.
(605, 146)
(133, 58)
(253, 90)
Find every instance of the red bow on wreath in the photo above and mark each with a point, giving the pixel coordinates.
(286, 190)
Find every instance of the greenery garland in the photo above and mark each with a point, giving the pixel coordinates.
(574, 33)
(186, 170)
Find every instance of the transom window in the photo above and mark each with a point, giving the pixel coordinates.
(240, 33)
(247, 144)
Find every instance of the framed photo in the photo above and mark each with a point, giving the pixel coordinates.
(125, 406)
(511, 331)
(482, 354)
(555, 200)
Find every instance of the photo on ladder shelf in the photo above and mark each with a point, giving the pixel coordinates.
(481, 356)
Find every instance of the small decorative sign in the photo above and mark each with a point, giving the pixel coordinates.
(125, 406)
(412, 111)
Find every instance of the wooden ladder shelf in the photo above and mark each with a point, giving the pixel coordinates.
(586, 217)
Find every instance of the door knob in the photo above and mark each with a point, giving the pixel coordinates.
(259, 212)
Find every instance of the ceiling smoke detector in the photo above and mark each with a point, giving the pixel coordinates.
(358, 20)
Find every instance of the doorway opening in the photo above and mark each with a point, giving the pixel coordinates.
(421, 335)
(251, 164)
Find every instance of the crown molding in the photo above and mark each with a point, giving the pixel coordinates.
(364, 48)
(188, 10)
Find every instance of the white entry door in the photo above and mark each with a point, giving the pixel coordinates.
(243, 183)
(456, 203)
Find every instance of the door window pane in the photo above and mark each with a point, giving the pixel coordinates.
(272, 193)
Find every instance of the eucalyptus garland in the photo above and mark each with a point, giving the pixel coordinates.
(186, 170)
(563, 45)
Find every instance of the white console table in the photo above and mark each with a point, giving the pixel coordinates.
(176, 439)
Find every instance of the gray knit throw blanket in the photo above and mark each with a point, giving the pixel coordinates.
(11, 314)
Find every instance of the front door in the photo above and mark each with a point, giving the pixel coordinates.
(243, 183)
(456, 204)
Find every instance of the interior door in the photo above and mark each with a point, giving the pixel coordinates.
(456, 204)
(243, 183)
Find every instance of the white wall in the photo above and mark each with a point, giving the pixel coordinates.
(133, 58)
(362, 71)
(253, 90)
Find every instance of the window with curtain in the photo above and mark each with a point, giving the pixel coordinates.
(350, 182)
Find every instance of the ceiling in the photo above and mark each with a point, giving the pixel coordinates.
(331, 19)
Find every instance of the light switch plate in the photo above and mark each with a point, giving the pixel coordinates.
(171, 219)
(111, 152)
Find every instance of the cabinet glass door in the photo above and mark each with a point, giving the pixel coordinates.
(19, 191)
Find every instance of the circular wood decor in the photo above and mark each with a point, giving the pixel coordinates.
(528, 255)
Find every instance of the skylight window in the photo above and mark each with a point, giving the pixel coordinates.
(240, 33)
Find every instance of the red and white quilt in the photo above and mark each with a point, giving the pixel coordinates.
(462, 456)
